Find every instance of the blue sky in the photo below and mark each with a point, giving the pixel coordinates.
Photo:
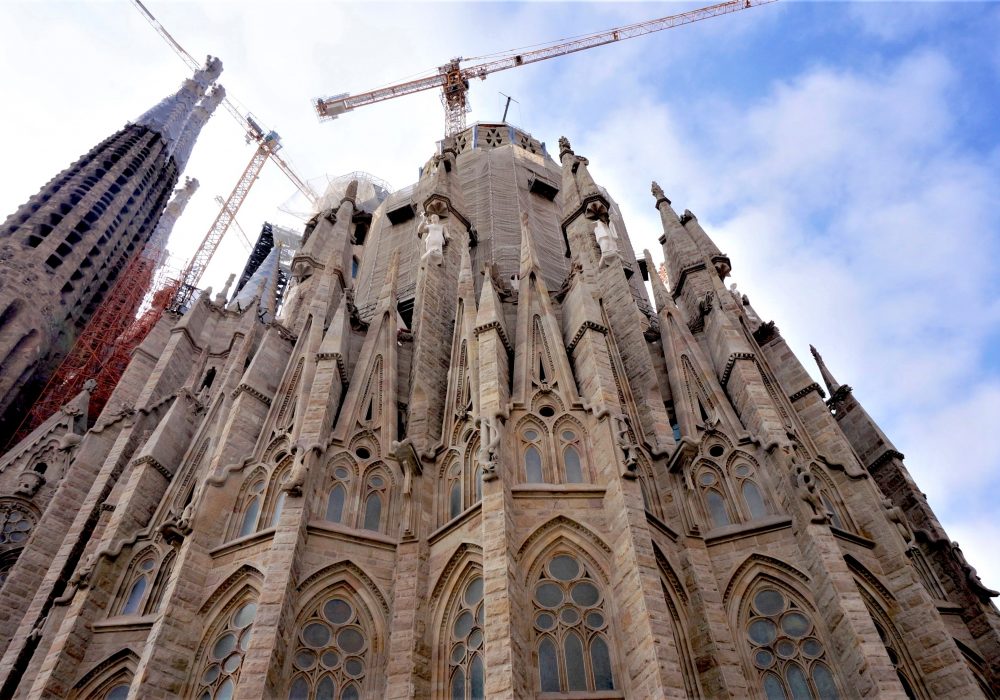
(845, 155)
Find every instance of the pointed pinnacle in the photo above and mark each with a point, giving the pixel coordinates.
(832, 384)
(660, 293)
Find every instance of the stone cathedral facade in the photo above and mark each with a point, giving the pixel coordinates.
(467, 458)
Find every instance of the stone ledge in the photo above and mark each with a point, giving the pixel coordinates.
(661, 526)
(852, 537)
(323, 528)
(456, 522)
(564, 490)
(242, 542)
(126, 623)
(739, 531)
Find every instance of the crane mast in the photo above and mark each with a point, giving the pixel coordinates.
(454, 79)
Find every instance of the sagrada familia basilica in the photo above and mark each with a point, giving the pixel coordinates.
(463, 455)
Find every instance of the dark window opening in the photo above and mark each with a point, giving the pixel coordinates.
(206, 383)
(34, 241)
(53, 261)
(401, 214)
(40, 468)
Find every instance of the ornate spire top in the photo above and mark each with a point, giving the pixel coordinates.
(171, 114)
(564, 147)
(208, 74)
(192, 127)
(831, 384)
(660, 294)
(175, 207)
(658, 194)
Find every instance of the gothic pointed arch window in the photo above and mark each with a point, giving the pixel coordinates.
(223, 650)
(711, 485)
(831, 499)
(907, 671)
(453, 486)
(532, 449)
(571, 452)
(572, 644)
(375, 501)
(336, 500)
(333, 650)
(785, 646)
(462, 640)
(249, 506)
(747, 484)
(138, 584)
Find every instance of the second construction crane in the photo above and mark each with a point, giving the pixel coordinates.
(268, 144)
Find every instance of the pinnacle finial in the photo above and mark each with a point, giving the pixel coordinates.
(660, 294)
(832, 384)
(658, 194)
(564, 147)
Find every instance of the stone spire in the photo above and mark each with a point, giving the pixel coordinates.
(260, 286)
(679, 248)
(831, 384)
(660, 294)
(169, 116)
(199, 116)
(175, 207)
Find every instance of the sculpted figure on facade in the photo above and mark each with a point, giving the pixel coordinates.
(435, 236)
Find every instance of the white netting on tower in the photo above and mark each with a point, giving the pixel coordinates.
(372, 191)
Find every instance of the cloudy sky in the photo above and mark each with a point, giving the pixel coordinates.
(845, 155)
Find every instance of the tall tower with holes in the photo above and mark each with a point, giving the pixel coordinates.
(62, 250)
(467, 457)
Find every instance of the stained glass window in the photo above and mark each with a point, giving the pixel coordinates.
(333, 655)
(571, 628)
(225, 655)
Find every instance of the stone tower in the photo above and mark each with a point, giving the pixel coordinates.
(63, 248)
(467, 458)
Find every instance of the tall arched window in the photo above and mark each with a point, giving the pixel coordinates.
(785, 647)
(376, 496)
(138, 585)
(571, 628)
(749, 489)
(713, 492)
(464, 641)
(533, 470)
(333, 652)
(338, 495)
(571, 455)
(223, 656)
(250, 507)
(454, 489)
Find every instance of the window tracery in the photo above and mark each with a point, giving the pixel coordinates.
(713, 490)
(137, 585)
(224, 653)
(785, 647)
(749, 489)
(571, 628)
(571, 451)
(464, 643)
(16, 525)
(333, 654)
(249, 511)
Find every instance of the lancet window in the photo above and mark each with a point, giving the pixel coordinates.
(785, 647)
(223, 656)
(571, 451)
(749, 490)
(532, 450)
(570, 628)
(712, 487)
(333, 651)
(337, 498)
(138, 585)
(464, 642)
(376, 496)
(250, 506)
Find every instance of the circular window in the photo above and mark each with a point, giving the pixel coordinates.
(546, 411)
(716, 450)
(362, 452)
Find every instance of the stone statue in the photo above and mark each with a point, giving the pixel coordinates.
(435, 238)
(971, 575)
(625, 443)
(607, 239)
(489, 450)
(898, 518)
(808, 490)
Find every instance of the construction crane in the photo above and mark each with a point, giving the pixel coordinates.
(268, 144)
(453, 79)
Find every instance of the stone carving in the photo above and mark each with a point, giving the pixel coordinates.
(627, 447)
(971, 575)
(657, 190)
(300, 468)
(28, 483)
(178, 526)
(489, 449)
(435, 237)
(808, 490)
(898, 518)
